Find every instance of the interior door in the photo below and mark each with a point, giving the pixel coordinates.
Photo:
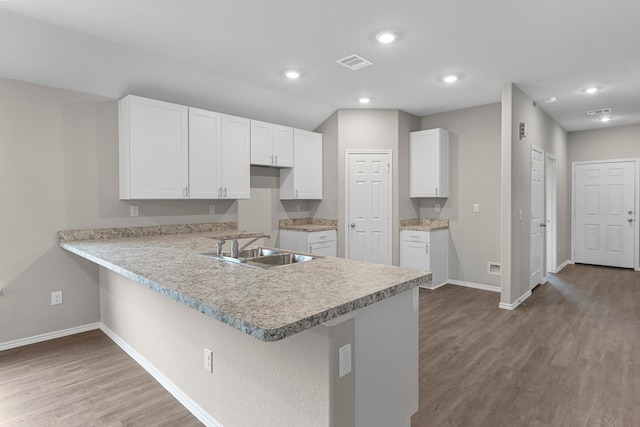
(369, 207)
(604, 213)
(537, 209)
(551, 198)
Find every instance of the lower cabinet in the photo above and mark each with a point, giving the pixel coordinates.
(428, 251)
(315, 242)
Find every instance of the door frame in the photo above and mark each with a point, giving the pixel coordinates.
(551, 214)
(347, 153)
(636, 248)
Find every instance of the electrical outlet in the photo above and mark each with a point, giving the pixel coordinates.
(56, 298)
(344, 356)
(437, 207)
(212, 209)
(134, 211)
(476, 207)
(208, 360)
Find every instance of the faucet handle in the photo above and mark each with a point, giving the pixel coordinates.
(219, 247)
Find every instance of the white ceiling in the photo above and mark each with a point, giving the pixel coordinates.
(229, 55)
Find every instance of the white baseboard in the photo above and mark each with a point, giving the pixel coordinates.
(430, 286)
(563, 265)
(516, 303)
(49, 336)
(475, 285)
(182, 397)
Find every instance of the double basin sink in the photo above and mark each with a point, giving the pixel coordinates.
(262, 257)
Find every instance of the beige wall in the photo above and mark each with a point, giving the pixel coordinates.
(474, 174)
(59, 170)
(545, 133)
(605, 144)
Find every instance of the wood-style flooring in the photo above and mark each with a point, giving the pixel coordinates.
(568, 356)
(82, 380)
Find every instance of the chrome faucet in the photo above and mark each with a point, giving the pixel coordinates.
(219, 247)
(234, 244)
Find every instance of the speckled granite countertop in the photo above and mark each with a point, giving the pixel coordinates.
(424, 224)
(308, 224)
(268, 304)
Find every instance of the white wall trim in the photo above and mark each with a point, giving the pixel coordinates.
(516, 303)
(475, 285)
(182, 397)
(49, 336)
(563, 265)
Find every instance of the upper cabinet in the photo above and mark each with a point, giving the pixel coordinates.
(154, 149)
(271, 145)
(169, 151)
(429, 163)
(218, 156)
(304, 180)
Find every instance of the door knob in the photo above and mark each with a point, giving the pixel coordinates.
(630, 220)
(353, 225)
(630, 212)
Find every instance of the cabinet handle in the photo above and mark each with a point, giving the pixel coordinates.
(185, 192)
(310, 249)
(426, 248)
(224, 192)
(271, 159)
(220, 192)
(296, 196)
(436, 191)
(275, 159)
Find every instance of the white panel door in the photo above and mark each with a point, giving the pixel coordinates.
(551, 198)
(369, 207)
(537, 209)
(605, 213)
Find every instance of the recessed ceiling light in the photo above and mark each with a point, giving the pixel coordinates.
(604, 119)
(591, 90)
(386, 37)
(364, 100)
(292, 74)
(551, 99)
(450, 78)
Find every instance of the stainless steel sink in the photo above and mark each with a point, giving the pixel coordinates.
(263, 257)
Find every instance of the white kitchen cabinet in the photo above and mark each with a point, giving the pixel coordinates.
(315, 242)
(218, 156)
(428, 251)
(169, 151)
(429, 163)
(153, 149)
(271, 145)
(304, 179)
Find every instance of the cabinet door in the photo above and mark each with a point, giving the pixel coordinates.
(415, 255)
(235, 157)
(304, 180)
(428, 163)
(204, 154)
(154, 149)
(261, 143)
(282, 146)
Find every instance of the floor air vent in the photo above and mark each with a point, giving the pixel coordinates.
(354, 62)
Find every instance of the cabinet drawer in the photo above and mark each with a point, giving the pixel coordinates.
(321, 236)
(416, 236)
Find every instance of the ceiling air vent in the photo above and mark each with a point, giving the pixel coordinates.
(600, 111)
(354, 62)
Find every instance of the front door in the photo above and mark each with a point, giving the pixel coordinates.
(605, 213)
(368, 204)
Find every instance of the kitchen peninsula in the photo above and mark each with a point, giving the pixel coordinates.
(280, 366)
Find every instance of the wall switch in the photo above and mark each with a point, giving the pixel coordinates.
(476, 207)
(437, 207)
(134, 211)
(208, 360)
(344, 356)
(56, 298)
(212, 209)
(520, 215)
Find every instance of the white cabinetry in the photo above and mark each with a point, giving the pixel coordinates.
(315, 242)
(271, 145)
(153, 149)
(304, 180)
(429, 163)
(218, 156)
(428, 251)
(169, 151)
